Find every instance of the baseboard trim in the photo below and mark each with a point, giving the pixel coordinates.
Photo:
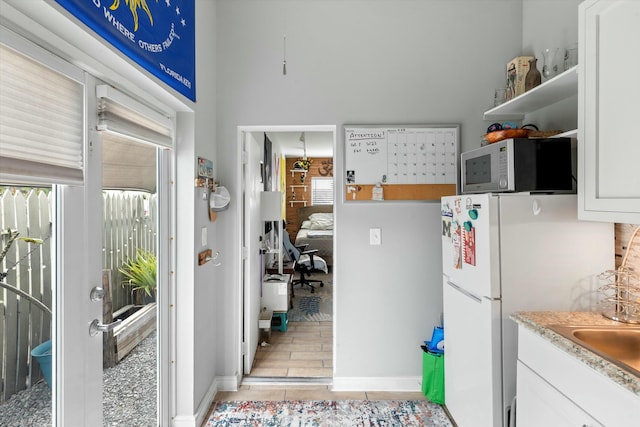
(228, 383)
(205, 403)
(197, 419)
(377, 384)
(184, 421)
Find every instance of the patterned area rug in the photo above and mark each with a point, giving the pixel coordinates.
(297, 413)
(313, 307)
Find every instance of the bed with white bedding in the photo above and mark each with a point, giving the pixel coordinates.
(315, 228)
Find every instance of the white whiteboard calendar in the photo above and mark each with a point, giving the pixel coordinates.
(421, 154)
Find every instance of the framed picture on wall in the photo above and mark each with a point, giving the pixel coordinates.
(267, 172)
(205, 168)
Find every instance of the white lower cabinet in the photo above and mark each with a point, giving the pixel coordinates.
(555, 388)
(540, 404)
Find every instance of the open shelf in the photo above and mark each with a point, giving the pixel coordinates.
(573, 133)
(553, 90)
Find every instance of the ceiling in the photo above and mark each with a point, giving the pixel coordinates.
(319, 144)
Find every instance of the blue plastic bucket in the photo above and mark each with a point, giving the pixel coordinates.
(42, 354)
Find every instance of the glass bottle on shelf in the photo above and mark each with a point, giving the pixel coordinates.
(533, 78)
(550, 63)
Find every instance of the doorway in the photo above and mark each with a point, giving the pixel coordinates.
(302, 337)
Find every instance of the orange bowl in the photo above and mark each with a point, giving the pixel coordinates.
(499, 135)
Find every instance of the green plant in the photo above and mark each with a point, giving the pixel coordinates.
(140, 273)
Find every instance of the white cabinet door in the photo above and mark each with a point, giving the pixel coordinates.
(586, 387)
(608, 149)
(539, 404)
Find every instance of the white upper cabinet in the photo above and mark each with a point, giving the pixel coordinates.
(609, 111)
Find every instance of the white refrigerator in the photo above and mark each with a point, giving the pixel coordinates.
(504, 253)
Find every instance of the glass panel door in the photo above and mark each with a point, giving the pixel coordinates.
(26, 305)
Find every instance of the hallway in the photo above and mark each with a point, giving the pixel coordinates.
(305, 350)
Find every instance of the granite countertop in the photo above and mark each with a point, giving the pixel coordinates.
(537, 321)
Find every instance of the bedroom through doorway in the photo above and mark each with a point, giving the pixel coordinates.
(298, 162)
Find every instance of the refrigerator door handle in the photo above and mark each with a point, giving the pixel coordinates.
(463, 291)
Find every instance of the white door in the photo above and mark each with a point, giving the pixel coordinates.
(252, 184)
(77, 354)
(472, 359)
(79, 364)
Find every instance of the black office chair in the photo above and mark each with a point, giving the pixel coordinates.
(305, 262)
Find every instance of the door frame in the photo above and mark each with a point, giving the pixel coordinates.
(77, 356)
(166, 280)
(249, 263)
(246, 252)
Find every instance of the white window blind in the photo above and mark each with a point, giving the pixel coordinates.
(321, 191)
(124, 116)
(41, 122)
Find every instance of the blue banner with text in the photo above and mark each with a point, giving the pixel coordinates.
(159, 35)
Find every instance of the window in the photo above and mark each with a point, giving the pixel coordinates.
(321, 191)
(41, 116)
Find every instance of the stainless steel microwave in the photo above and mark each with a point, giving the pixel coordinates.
(518, 164)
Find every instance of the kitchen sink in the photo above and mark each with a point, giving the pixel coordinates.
(619, 345)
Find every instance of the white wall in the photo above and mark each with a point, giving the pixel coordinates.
(209, 287)
(350, 62)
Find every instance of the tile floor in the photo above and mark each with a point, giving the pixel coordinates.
(279, 392)
(304, 351)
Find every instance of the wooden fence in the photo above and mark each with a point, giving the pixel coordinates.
(129, 223)
(23, 325)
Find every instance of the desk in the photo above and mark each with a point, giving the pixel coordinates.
(287, 268)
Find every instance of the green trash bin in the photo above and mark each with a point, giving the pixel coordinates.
(433, 376)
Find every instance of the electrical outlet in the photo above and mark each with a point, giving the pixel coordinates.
(374, 236)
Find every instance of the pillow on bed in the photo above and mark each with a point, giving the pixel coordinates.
(306, 225)
(321, 224)
(321, 215)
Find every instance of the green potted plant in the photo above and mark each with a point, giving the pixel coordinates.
(140, 274)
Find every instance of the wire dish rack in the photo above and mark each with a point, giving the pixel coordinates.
(621, 290)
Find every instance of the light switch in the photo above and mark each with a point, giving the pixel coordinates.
(374, 236)
(204, 236)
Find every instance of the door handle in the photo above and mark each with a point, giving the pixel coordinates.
(96, 326)
(464, 292)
